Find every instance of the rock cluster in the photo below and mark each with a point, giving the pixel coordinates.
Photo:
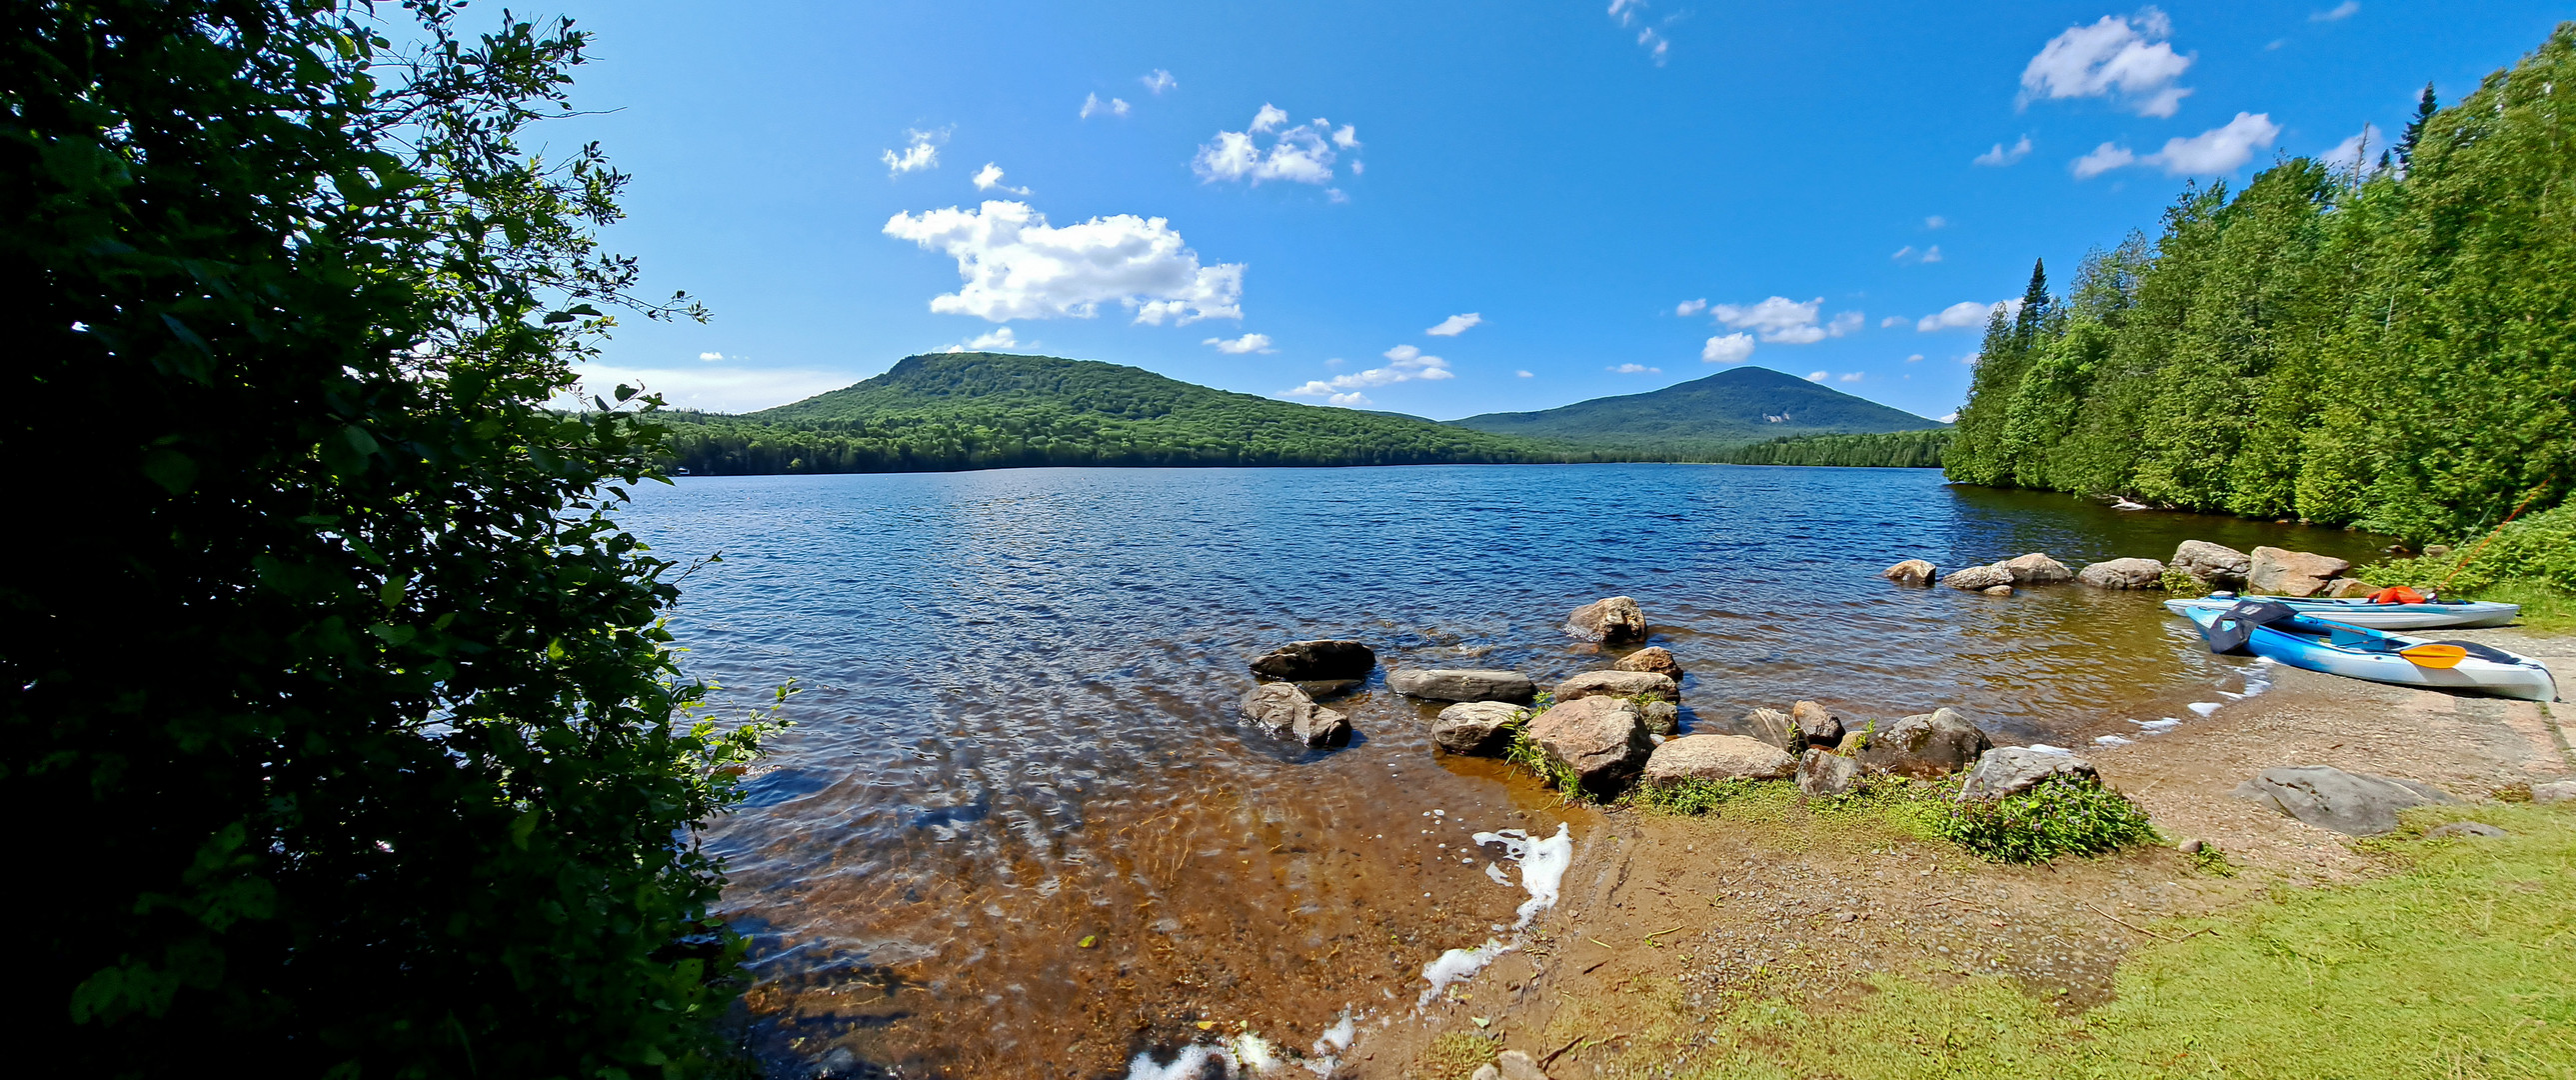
(1284, 709)
(1611, 620)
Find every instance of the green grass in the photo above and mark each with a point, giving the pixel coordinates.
(2454, 966)
(2059, 817)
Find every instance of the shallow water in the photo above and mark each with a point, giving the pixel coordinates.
(1019, 823)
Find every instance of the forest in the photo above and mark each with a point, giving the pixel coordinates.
(2388, 343)
(1892, 449)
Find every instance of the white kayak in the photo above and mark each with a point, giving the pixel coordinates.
(2356, 611)
(2269, 629)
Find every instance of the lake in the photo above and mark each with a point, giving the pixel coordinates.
(1018, 822)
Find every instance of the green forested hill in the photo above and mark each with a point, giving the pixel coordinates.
(2392, 347)
(1881, 450)
(1703, 416)
(947, 411)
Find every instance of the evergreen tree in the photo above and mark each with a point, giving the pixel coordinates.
(2425, 108)
(2034, 307)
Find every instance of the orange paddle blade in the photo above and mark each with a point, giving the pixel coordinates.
(2434, 656)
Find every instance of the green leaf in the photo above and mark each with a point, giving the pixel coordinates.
(174, 471)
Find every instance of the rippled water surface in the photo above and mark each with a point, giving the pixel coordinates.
(1019, 822)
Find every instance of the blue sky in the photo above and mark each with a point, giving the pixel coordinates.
(1298, 199)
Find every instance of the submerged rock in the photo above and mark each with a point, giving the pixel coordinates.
(1321, 689)
(1300, 661)
(1612, 620)
(2354, 804)
(1925, 745)
(1283, 709)
(1978, 578)
(1997, 590)
(2036, 569)
(1717, 757)
(1914, 572)
(2123, 574)
(1461, 684)
(1615, 683)
(2216, 564)
(1654, 658)
(1817, 725)
(1475, 728)
(1603, 739)
(2011, 770)
(2281, 572)
(1823, 772)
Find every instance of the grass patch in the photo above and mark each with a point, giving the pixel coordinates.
(1454, 1055)
(1695, 796)
(1773, 812)
(2455, 966)
(2182, 585)
(2209, 860)
(2059, 817)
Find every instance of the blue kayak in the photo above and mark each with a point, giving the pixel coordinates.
(2276, 631)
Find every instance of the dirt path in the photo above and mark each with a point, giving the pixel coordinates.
(1666, 920)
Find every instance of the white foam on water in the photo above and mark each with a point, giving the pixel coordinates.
(2112, 740)
(1191, 1065)
(2044, 748)
(2204, 708)
(2158, 727)
(1543, 865)
(1496, 872)
(1255, 1055)
(1339, 1036)
(1458, 964)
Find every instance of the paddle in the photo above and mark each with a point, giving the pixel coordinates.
(2434, 655)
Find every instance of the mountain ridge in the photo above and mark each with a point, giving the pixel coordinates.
(1736, 406)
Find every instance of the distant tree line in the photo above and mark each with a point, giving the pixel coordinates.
(709, 444)
(1893, 449)
(2389, 344)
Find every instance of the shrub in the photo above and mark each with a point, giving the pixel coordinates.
(1695, 796)
(2535, 548)
(2058, 817)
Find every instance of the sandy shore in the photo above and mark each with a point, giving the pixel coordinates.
(1667, 919)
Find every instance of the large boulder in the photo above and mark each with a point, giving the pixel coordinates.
(2216, 564)
(1775, 727)
(1300, 661)
(2354, 804)
(1931, 744)
(1284, 710)
(2036, 569)
(2280, 572)
(2011, 770)
(1461, 684)
(1823, 772)
(1616, 683)
(1654, 658)
(2123, 574)
(1711, 756)
(1816, 724)
(1614, 619)
(1911, 572)
(1602, 739)
(1978, 578)
(1476, 728)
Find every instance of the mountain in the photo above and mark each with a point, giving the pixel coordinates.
(948, 411)
(1732, 407)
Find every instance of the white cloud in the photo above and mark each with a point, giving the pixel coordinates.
(714, 389)
(1300, 153)
(1935, 221)
(1016, 266)
(1524, 374)
(2218, 150)
(1248, 343)
(1817, 376)
(1407, 363)
(990, 177)
(2354, 152)
(711, 356)
(1158, 81)
(2104, 158)
(1092, 106)
(999, 337)
(1849, 376)
(1894, 320)
(1932, 254)
(1902, 252)
(1917, 358)
(2000, 156)
(2338, 13)
(1455, 325)
(1950, 417)
(1689, 308)
(2123, 55)
(1727, 349)
(1966, 314)
(1650, 38)
(1785, 321)
(920, 152)
(1634, 369)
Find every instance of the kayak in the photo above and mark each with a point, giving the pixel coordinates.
(2355, 611)
(2271, 629)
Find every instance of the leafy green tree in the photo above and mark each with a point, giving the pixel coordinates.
(333, 705)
